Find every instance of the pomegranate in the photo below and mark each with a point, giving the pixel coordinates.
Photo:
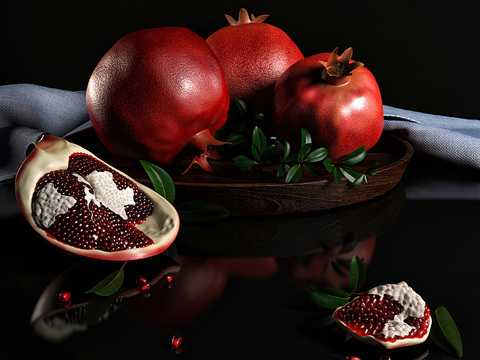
(337, 100)
(84, 206)
(253, 54)
(157, 92)
(392, 315)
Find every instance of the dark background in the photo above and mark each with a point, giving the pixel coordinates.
(424, 54)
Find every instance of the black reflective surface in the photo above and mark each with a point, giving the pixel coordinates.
(239, 287)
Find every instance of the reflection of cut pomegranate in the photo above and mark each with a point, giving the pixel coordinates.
(392, 315)
(84, 206)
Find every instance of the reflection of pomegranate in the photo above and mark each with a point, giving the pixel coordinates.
(391, 315)
(82, 205)
(197, 285)
(258, 267)
(324, 267)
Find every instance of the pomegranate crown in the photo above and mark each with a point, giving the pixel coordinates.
(244, 19)
(341, 65)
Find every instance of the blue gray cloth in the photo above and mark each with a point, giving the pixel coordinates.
(27, 111)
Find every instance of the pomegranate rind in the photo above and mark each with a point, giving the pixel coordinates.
(371, 340)
(52, 153)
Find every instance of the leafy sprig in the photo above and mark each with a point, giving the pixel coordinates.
(292, 165)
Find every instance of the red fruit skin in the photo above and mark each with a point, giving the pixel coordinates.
(340, 118)
(253, 56)
(153, 91)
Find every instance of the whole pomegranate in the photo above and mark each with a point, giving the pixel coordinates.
(157, 91)
(392, 315)
(253, 54)
(86, 207)
(335, 99)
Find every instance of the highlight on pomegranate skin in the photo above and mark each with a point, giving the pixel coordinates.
(82, 205)
(392, 315)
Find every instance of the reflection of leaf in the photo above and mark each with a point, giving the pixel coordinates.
(329, 298)
(110, 284)
(358, 274)
(445, 333)
(201, 211)
(98, 306)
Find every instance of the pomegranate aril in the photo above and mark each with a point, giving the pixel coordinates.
(64, 296)
(141, 280)
(143, 287)
(176, 341)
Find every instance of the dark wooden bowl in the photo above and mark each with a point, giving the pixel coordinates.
(246, 194)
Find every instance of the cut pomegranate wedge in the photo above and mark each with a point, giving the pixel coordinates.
(82, 205)
(391, 315)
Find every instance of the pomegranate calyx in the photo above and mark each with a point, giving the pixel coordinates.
(244, 19)
(338, 68)
(206, 144)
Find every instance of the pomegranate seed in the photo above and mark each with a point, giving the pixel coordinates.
(167, 281)
(386, 357)
(141, 280)
(176, 341)
(144, 287)
(350, 357)
(64, 296)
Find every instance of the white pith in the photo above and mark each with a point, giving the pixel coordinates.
(413, 305)
(50, 203)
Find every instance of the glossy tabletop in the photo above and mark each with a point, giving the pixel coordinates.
(237, 288)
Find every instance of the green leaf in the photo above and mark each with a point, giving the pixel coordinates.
(304, 152)
(110, 284)
(244, 162)
(236, 139)
(316, 155)
(358, 274)
(201, 211)
(311, 169)
(350, 174)
(259, 141)
(329, 298)
(260, 116)
(354, 157)
(306, 137)
(241, 106)
(286, 151)
(294, 174)
(161, 180)
(336, 175)
(373, 169)
(328, 164)
(256, 153)
(445, 333)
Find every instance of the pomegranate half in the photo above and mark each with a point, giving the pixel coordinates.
(84, 206)
(391, 315)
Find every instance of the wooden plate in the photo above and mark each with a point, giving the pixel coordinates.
(246, 194)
